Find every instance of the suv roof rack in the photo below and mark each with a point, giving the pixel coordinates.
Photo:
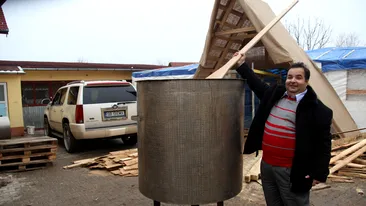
(74, 82)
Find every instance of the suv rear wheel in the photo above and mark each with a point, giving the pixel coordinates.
(130, 139)
(69, 140)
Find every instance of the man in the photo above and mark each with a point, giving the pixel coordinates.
(292, 127)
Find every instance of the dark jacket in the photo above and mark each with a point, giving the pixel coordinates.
(313, 138)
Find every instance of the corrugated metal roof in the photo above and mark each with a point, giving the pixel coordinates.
(76, 65)
(11, 70)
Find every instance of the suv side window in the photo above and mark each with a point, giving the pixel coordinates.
(59, 97)
(73, 95)
(56, 100)
(63, 96)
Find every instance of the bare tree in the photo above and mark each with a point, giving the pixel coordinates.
(82, 60)
(347, 40)
(310, 34)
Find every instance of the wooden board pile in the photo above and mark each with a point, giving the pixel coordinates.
(348, 160)
(123, 163)
(28, 153)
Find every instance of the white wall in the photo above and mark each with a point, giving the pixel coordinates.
(352, 80)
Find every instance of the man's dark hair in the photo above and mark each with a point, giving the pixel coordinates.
(304, 67)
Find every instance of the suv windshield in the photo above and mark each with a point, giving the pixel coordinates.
(106, 94)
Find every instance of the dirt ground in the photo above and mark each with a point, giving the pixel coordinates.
(79, 186)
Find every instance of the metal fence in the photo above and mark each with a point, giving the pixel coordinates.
(33, 116)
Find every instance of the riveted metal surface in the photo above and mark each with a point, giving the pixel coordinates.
(189, 139)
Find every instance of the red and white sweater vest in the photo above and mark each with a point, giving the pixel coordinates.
(279, 134)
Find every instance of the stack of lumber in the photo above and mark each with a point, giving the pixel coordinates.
(28, 153)
(349, 159)
(123, 163)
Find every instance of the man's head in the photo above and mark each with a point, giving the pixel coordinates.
(297, 78)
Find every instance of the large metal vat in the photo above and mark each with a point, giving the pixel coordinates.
(189, 139)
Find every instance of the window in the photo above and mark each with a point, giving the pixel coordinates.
(63, 96)
(59, 97)
(56, 100)
(39, 93)
(73, 95)
(105, 94)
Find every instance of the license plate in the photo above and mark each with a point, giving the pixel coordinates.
(115, 114)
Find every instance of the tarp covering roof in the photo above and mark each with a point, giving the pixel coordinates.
(339, 58)
(169, 71)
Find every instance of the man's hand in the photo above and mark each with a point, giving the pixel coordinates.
(242, 58)
(315, 182)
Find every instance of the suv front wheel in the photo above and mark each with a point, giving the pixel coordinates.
(69, 140)
(130, 139)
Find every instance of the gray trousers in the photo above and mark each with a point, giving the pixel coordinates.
(276, 187)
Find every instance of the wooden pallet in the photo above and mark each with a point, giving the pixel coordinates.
(23, 154)
(20, 167)
(17, 144)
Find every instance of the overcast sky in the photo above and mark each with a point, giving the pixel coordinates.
(143, 31)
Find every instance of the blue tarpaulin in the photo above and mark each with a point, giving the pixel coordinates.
(170, 71)
(339, 58)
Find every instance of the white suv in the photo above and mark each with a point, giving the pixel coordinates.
(92, 109)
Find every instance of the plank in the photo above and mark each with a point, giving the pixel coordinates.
(355, 91)
(339, 177)
(23, 163)
(254, 172)
(320, 186)
(347, 160)
(220, 73)
(348, 151)
(131, 162)
(359, 161)
(342, 181)
(356, 170)
(25, 140)
(8, 150)
(353, 165)
(133, 155)
(345, 146)
(132, 167)
(123, 152)
(27, 156)
(235, 31)
(113, 166)
(26, 167)
(352, 174)
(116, 172)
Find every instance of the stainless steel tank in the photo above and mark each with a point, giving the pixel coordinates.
(5, 132)
(189, 139)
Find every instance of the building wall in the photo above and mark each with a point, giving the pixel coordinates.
(75, 75)
(14, 103)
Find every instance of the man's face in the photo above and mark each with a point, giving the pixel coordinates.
(295, 82)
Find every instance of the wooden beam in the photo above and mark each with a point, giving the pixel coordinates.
(235, 31)
(243, 36)
(355, 91)
(348, 151)
(347, 160)
(220, 73)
